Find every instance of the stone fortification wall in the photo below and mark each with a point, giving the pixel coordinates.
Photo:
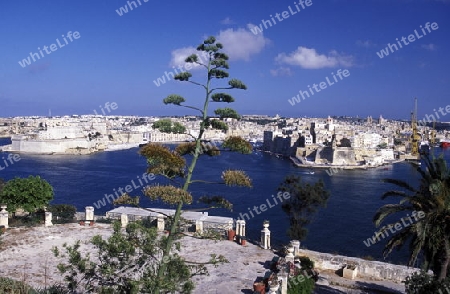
(324, 155)
(367, 269)
(48, 146)
(344, 156)
(307, 151)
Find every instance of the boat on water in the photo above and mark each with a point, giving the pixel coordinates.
(444, 143)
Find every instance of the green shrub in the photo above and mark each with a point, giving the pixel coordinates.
(56, 289)
(423, 283)
(103, 220)
(30, 220)
(300, 284)
(306, 263)
(10, 286)
(63, 213)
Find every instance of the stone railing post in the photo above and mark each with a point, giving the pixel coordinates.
(284, 282)
(89, 213)
(199, 226)
(296, 245)
(290, 255)
(265, 237)
(124, 220)
(160, 222)
(48, 219)
(4, 215)
(240, 228)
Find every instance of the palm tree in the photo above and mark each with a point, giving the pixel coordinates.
(428, 236)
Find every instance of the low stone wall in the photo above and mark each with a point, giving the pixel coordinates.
(376, 270)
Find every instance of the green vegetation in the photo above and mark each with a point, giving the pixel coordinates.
(167, 126)
(30, 194)
(303, 281)
(10, 286)
(423, 283)
(428, 236)
(139, 260)
(62, 213)
(128, 262)
(305, 199)
(172, 165)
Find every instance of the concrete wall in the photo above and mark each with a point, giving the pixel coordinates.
(367, 269)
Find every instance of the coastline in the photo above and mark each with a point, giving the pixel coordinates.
(83, 151)
(348, 167)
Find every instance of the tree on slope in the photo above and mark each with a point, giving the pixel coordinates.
(428, 235)
(29, 194)
(304, 200)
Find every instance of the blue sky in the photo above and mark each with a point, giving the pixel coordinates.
(118, 58)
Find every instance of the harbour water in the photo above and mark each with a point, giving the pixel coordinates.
(341, 227)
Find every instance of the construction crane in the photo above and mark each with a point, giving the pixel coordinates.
(433, 135)
(415, 137)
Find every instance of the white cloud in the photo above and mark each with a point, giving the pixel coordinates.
(429, 47)
(281, 72)
(309, 58)
(179, 55)
(241, 44)
(227, 21)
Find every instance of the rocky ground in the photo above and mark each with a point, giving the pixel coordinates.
(26, 255)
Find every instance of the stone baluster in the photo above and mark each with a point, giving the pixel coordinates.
(48, 219)
(242, 233)
(4, 215)
(296, 245)
(124, 220)
(290, 255)
(160, 224)
(89, 213)
(265, 237)
(284, 282)
(199, 226)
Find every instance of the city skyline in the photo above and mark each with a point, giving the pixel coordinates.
(73, 58)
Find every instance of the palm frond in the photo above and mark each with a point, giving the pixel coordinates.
(400, 183)
(387, 210)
